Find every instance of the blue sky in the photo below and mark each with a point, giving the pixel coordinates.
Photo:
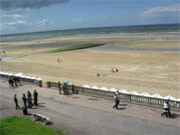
(19, 16)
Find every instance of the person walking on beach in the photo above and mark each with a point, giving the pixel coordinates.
(35, 95)
(57, 60)
(16, 102)
(116, 100)
(24, 99)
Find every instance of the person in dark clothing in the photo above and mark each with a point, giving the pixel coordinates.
(24, 99)
(15, 82)
(116, 100)
(11, 83)
(29, 94)
(16, 102)
(59, 87)
(73, 89)
(25, 110)
(29, 99)
(29, 102)
(18, 81)
(35, 95)
(169, 110)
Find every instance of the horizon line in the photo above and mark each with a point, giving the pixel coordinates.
(85, 28)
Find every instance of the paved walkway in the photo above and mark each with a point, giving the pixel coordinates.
(78, 114)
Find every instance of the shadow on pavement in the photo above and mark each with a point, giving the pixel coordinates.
(50, 123)
(28, 114)
(174, 116)
(75, 97)
(40, 106)
(123, 104)
(122, 108)
(32, 108)
(95, 99)
(40, 103)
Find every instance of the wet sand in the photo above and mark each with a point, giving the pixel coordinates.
(145, 62)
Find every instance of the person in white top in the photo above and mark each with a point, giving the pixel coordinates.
(166, 109)
(116, 100)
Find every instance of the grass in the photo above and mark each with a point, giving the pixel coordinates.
(76, 47)
(14, 125)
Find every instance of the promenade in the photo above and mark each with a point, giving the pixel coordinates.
(84, 115)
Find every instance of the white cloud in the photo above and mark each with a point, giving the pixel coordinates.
(13, 27)
(21, 26)
(171, 9)
(43, 22)
(20, 22)
(12, 16)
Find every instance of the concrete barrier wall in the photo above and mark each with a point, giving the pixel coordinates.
(156, 102)
(23, 80)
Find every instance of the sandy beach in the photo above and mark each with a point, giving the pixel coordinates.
(146, 62)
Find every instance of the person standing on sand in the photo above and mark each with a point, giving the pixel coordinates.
(16, 102)
(57, 60)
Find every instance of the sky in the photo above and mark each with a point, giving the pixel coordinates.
(23, 16)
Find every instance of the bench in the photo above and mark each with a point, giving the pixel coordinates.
(42, 118)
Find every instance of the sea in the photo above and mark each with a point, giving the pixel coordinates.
(156, 28)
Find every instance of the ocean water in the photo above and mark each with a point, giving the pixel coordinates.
(159, 28)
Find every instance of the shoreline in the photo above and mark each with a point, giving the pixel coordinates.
(89, 36)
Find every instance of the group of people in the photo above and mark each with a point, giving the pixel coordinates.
(14, 82)
(59, 60)
(63, 88)
(27, 101)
